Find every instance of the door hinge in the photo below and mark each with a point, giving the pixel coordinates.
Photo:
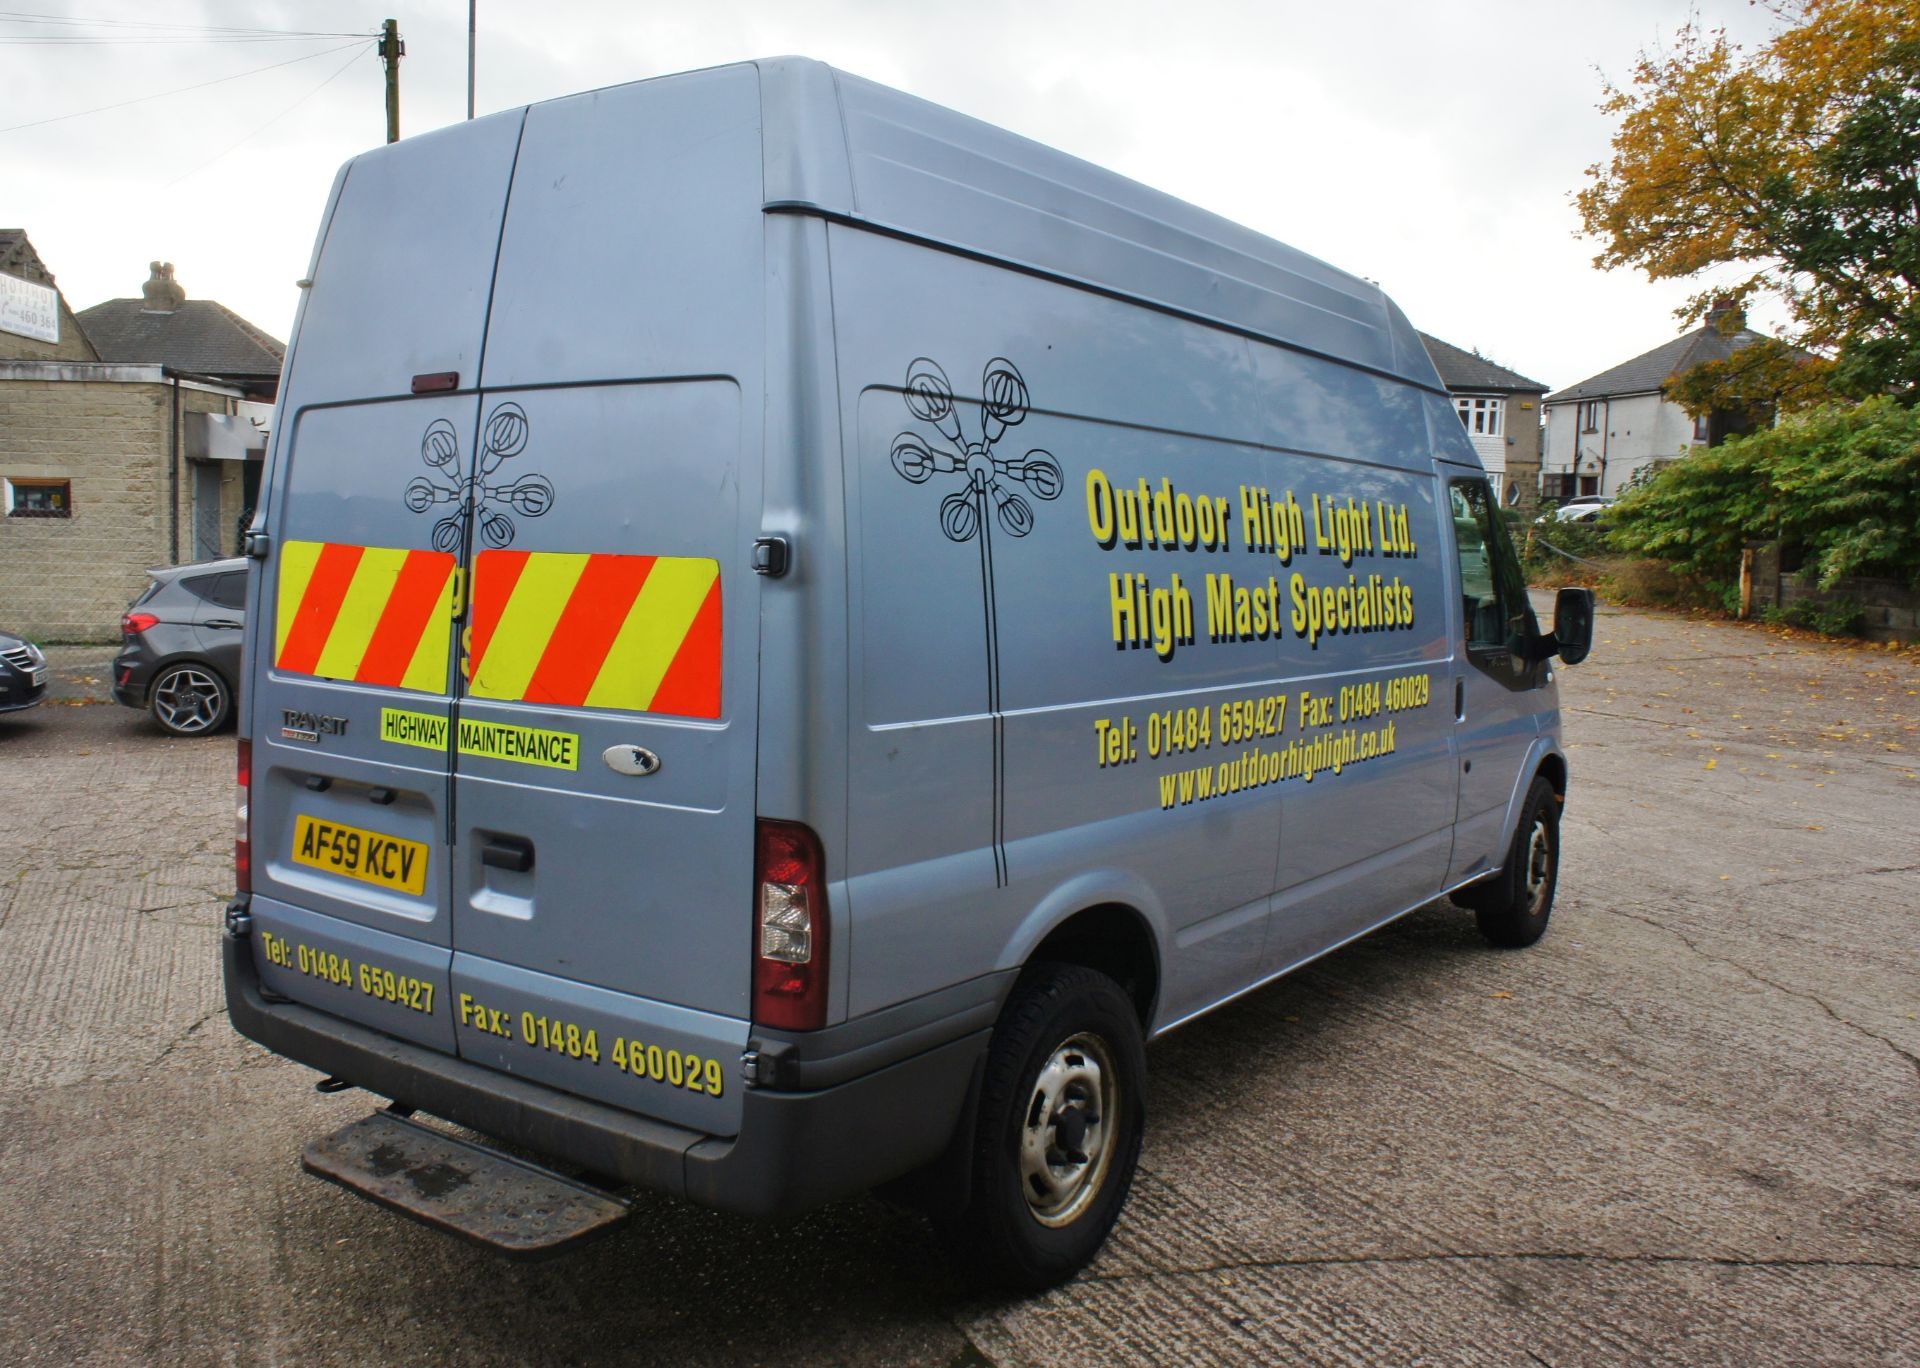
(257, 545)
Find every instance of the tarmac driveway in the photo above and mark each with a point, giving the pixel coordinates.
(1685, 1128)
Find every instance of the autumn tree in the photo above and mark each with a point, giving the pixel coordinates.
(1795, 163)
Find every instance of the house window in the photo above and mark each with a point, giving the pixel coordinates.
(39, 498)
(1481, 417)
(1590, 416)
(1700, 428)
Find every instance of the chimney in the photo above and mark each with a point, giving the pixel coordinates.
(1726, 317)
(162, 292)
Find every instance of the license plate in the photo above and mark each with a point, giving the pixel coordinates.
(388, 861)
(36, 679)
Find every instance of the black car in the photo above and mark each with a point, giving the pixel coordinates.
(181, 651)
(23, 674)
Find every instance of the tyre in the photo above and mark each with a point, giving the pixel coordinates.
(1512, 907)
(190, 700)
(1062, 1108)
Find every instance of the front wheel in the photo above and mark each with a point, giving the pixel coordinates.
(1512, 907)
(1062, 1110)
(191, 700)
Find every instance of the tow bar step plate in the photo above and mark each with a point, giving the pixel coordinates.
(519, 1209)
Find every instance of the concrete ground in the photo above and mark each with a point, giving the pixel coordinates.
(1683, 1129)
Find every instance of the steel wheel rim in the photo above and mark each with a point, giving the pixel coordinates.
(1069, 1129)
(1539, 867)
(187, 700)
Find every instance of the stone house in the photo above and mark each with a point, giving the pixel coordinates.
(135, 448)
(1609, 427)
(1501, 411)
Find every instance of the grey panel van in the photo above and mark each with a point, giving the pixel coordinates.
(795, 631)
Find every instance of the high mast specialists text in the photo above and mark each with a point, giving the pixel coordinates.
(1161, 617)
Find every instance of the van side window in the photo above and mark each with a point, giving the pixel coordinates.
(1493, 592)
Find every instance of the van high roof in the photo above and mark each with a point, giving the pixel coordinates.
(851, 149)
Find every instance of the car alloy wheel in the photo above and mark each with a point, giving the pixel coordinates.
(189, 700)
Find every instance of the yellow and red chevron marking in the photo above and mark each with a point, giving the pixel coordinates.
(599, 631)
(373, 614)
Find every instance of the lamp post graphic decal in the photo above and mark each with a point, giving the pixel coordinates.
(504, 435)
(988, 480)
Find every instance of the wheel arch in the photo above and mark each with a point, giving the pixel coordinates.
(1114, 930)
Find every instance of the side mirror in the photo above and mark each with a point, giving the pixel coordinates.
(1573, 624)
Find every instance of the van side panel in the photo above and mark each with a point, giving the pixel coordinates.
(991, 567)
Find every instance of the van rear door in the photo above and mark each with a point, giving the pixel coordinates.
(606, 719)
(350, 653)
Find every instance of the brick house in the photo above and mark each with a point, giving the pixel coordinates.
(1604, 430)
(1501, 411)
(120, 452)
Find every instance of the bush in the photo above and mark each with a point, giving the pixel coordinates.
(1554, 553)
(1833, 617)
(1642, 583)
(1842, 483)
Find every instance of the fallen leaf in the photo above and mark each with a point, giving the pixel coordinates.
(1712, 764)
(1500, 995)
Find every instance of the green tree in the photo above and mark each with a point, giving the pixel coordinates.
(1795, 163)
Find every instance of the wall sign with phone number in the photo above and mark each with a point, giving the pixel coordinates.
(675, 1068)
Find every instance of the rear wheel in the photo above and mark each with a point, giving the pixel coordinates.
(1512, 908)
(1060, 1120)
(190, 700)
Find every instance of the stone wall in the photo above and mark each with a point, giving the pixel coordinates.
(1892, 608)
(70, 578)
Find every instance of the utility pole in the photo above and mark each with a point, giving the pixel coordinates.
(472, 6)
(391, 51)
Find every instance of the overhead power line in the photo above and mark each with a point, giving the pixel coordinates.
(182, 90)
(337, 74)
(72, 21)
(34, 40)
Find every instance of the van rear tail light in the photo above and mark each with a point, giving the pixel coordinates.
(243, 822)
(133, 624)
(790, 928)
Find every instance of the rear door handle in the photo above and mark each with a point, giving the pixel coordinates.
(1459, 698)
(223, 622)
(507, 852)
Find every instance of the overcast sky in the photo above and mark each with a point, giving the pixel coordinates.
(1433, 148)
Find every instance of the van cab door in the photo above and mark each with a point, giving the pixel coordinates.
(1498, 693)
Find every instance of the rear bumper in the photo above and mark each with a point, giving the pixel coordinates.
(132, 672)
(795, 1149)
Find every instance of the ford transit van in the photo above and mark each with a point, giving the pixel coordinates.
(795, 631)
